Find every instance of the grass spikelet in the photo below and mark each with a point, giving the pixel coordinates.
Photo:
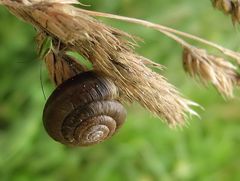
(60, 65)
(229, 7)
(111, 52)
(221, 73)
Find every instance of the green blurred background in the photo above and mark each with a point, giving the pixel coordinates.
(145, 149)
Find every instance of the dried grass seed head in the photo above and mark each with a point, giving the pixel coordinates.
(111, 52)
(60, 65)
(229, 7)
(221, 73)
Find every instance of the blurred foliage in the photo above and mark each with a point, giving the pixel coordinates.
(144, 149)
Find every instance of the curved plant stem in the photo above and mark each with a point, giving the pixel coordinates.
(168, 32)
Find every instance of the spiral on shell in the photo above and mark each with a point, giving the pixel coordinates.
(83, 110)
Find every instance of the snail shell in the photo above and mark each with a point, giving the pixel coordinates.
(83, 110)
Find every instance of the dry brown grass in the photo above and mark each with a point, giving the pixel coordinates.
(221, 73)
(60, 65)
(229, 7)
(111, 51)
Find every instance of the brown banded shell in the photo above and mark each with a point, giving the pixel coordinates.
(83, 110)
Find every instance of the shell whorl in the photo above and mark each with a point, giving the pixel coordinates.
(83, 110)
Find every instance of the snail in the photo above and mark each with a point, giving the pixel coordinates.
(83, 110)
